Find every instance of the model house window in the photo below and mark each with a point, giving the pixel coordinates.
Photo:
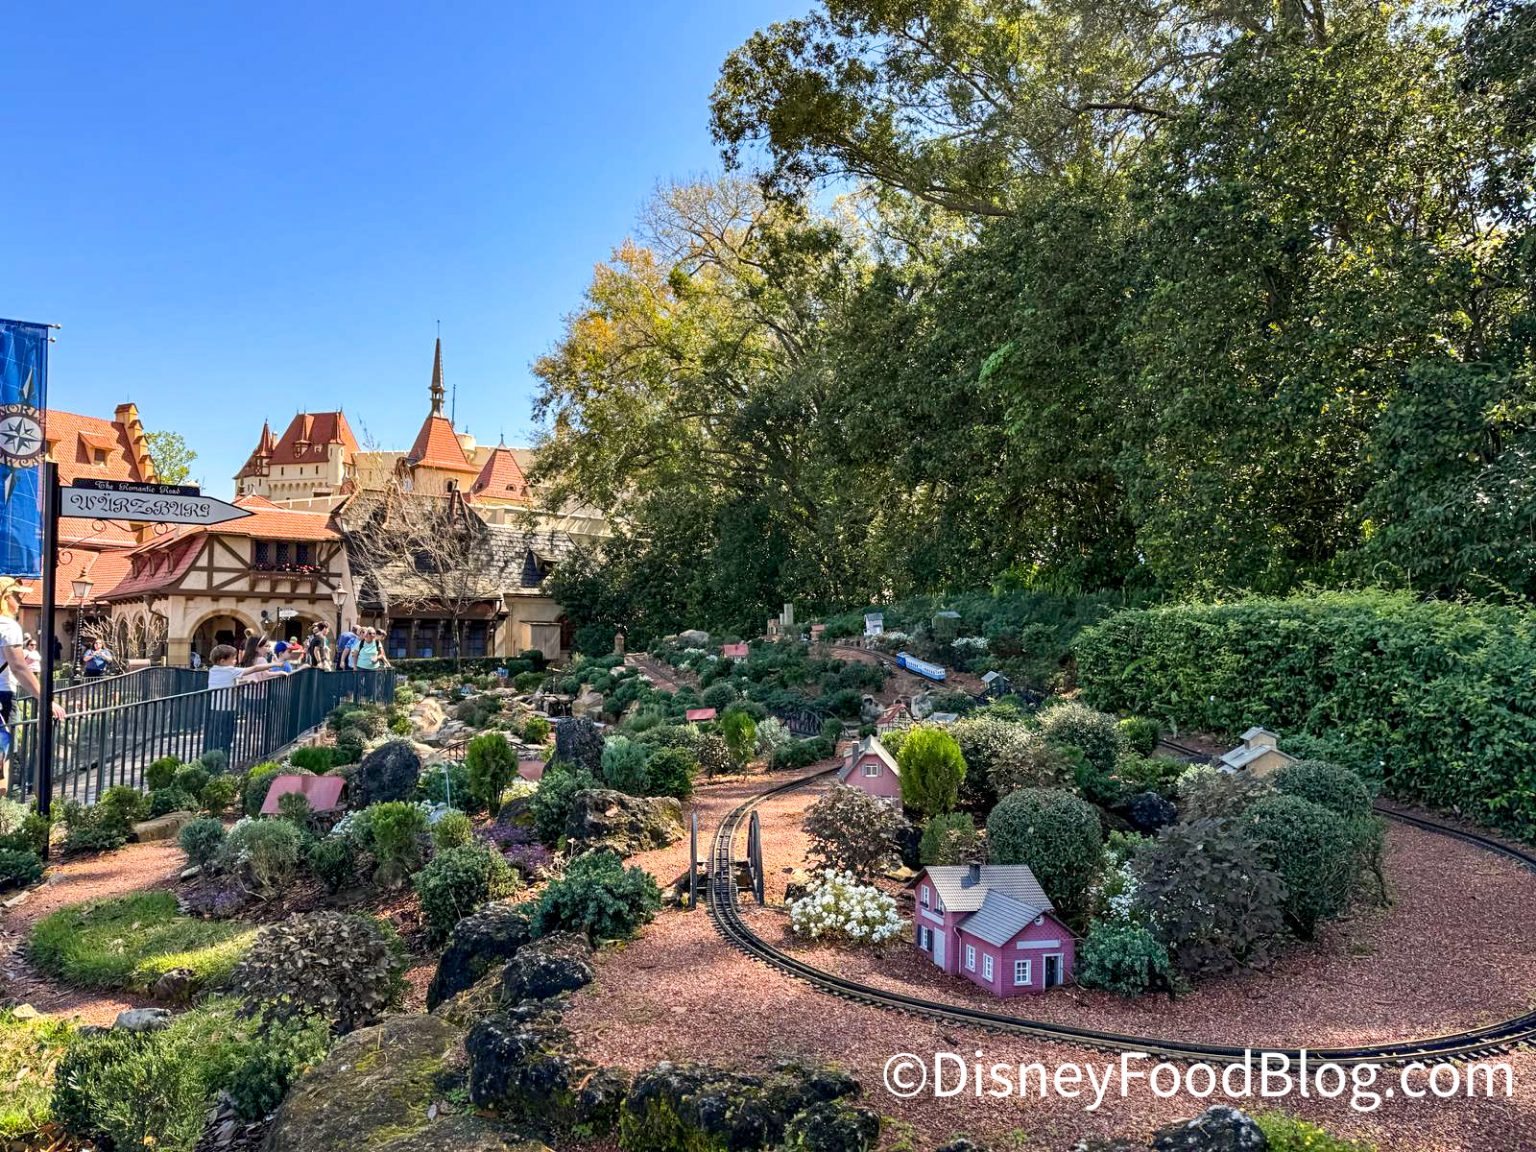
(924, 896)
(970, 958)
(871, 769)
(1021, 972)
(986, 967)
(927, 939)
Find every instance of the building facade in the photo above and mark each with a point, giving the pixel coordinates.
(994, 925)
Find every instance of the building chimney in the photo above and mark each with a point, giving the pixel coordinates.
(975, 874)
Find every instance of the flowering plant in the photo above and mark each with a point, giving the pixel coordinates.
(838, 907)
(970, 643)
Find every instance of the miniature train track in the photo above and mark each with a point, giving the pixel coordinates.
(1477, 1043)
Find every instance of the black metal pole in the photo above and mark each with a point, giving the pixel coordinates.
(44, 782)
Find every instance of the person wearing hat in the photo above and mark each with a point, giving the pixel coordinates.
(14, 670)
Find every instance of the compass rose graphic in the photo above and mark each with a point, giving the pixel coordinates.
(21, 434)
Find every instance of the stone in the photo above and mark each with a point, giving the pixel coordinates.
(1146, 812)
(427, 716)
(143, 1019)
(387, 773)
(546, 968)
(458, 1133)
(13, 901)
(25, 1012)
(165, 827)
(1218, 1129)
(589, 705)
(375, 1090)
(604, 818)
(176, 986)
(833, 1126)
(693, 638)
(465, 1009)
(478, 943)
(961, 1144)
(798, 885)
(191, 873)
(524, 1066)
(600, 1099)
(1116, 1145)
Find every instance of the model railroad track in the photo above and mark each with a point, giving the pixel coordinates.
(1472, 1044)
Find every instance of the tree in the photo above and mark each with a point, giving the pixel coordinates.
(491, 763)
(1311, 850)
(1057, 835)
(625, 766)
(855, 832)
(1124, 957)
(949, 838)
(740, 735)
(173, 459)
(1096, 734)
(932, 769)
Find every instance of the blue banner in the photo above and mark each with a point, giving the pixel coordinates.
(23, 399)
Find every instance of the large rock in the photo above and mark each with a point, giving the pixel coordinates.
(427, 716)
(458, 1133)
(166, 827)
(389, 772)
(578, 742)
(143, 1019)
(546, 968)
(833, 1126)
(523, 1065)
(1218, 1129)
(1146, 812)
(477, 944)
(375, 1090)
(693, 638)
(589, 705)
(603, 818)
(699, 1106)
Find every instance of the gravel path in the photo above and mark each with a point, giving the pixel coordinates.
(134, 868)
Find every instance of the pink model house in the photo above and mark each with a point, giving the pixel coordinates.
(993, 924)
(868, 767)
(735, 651)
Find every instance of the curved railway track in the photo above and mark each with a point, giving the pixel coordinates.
(1474, 1043)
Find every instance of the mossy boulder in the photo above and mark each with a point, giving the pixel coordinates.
(548, 967)
(374, 1091)
(476, 945)
(462, 1134)
(389, 772)
(604, 818)
(524, 1066)
(833, 1126)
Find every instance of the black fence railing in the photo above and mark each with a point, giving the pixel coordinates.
(94, 693)
(112, 743)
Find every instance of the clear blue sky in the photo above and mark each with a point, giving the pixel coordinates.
(241, 211)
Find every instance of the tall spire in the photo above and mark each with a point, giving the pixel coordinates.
(437, 379)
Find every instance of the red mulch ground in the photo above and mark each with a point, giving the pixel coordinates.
(1455, 950)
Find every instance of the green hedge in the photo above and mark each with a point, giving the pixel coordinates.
(1436, 700)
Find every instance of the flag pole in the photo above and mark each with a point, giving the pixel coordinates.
(49, 474)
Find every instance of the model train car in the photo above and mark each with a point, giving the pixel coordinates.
(920, 667)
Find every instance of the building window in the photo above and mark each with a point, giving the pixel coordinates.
(284, 554)
(399, 640)
(1021, 973)
(263, 553)
(871, 769)
(924, 896)
(301, 553)
(970, 958)
(475, 638)
(925, 938)
(986, 967)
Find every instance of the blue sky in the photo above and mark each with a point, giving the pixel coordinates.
(241, 211)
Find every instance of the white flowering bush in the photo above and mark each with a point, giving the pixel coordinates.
(772, 733)
(838, 907)
(970, 643)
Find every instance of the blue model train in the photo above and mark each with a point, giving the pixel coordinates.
(920, 667)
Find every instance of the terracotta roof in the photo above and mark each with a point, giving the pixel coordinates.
(501, 476)
(256, 463)
(437, 446)
(267, 521)
(159, 565)
(106, 569)
(309, 436)
(77, 438)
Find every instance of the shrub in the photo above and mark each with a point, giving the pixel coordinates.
(1287, 1134)
(478, 711)
(1160, 774)
(838, 907)
(265, 851)
(166, 800)
(1208, 896)
(395, 832)
(257, 784)
(399, 724)
(161, 773)
(1205, 793)
(1141, 734)
(1097, 734)
(720, 696)
(1334, 787)
(342, 968)
(852, 831)
(1310, 848)
(219, 793)
(599, 897)
(202, 840)
(671, 772)
(491, 764)
(1123, 957)
(451, 830)
(552, 802)
(740, 736)
(1056, 834)
(19, 867)
(123, 805)
(97, 829)
(333, 860)
(624, 766)
(29, 1050)
(127, 943)
(313, 758)
(458, 882)
(349, 746)
(215, 761)
(21, 828)
(536, 729)
(772, 734)
(949, 838)
(294, 808)
(528, 681)
(192, 779)
(714, 755)
(931, 771)
(448, 784)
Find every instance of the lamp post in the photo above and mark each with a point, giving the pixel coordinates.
(81, 586)
(340, 596)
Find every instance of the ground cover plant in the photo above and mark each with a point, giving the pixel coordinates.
(29, 1050)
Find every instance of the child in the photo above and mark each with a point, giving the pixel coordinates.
(223, 675)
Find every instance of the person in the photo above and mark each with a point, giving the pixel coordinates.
(281, 663)
(98, 659)
(223, 673)
(249, 651)
(14, 670)
(368, 655)
(34, 657)
(315, 646)
(197, 661)
(346, 651)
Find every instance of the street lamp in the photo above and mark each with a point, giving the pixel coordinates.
(82, 586)
(340, 596)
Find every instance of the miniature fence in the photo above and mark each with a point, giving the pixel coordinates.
(98, 747)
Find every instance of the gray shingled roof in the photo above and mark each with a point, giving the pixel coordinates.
(963, 893)
(999, 919)
(866, 745)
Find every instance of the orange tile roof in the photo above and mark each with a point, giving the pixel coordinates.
(105, 569)
(267, 520)
(438, 447)
(256, 463)
(156, 565)
(309, 436)
(75, 439)
(501, 476)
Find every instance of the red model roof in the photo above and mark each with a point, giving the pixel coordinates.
(501, 476)
(437, 446)
(697, 714)
(309, 436)
(256, 463)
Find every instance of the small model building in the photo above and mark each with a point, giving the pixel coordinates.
(734, 651)
(993, 924)
(868, 767)
(995, 684)
(699, 715)
(1259, 754)
(896, 716)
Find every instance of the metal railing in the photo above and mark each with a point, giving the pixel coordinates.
(113, 742)
(90, 694)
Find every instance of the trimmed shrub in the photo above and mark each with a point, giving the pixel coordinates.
(94, 829)
(624, 766)
(344, 969)
(123, 805)
(932, 769)
(550, 805)
(949, 838)
(1124, 957)
(313, 758)
(165, 800)
(333, 860)
(1141, 734)
(491, 764)
(852, 831)
(19, 867)
(1310, 848)
(396, 831)
(265, 851)
(451, 830)
(458, 882)
(215, 761)
(1057, 835)
(536, 729)
(219, 793)
(192, 779)
(161, 773)
(670, 772)
(258, 782)
(1096, 734)
(598, 897)
(1204, 793)
(1333, 786)
(202, 840)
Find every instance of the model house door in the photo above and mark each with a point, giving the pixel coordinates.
(938, 948)
(1052, 971)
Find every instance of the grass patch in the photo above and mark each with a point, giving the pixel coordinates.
(1288, 1134)
(129, 942)
(29, 1050)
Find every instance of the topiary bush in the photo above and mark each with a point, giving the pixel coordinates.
(550, 805)
(313, 758)
(458, 882)
(396, 835)
(1096, 734)
(167, 800)
(342, 968)
(671, 772)
(491, 764)
(192, 779)
(161, 773)
(1333, 786)
(932, 770)
(265, 851)
(1310, 848)
(624, 766)
(451, 830)
(1054, 832)
(599, 897)
(19, 867)
(219, 793)
(1124, 957)
(202, 840)
(852, 831)
(949, 838)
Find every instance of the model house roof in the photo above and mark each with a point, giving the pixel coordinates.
(870, 745)
(694, 715)
(1000, 918)
(964, 887)
(734, 651)
(1255, 732)
(1246, 754)
(501, 476)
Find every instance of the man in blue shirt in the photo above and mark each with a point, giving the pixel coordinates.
(347, 645)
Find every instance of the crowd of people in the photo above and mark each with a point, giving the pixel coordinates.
(261, 657)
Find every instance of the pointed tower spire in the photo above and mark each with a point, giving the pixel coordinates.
(437, 379)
